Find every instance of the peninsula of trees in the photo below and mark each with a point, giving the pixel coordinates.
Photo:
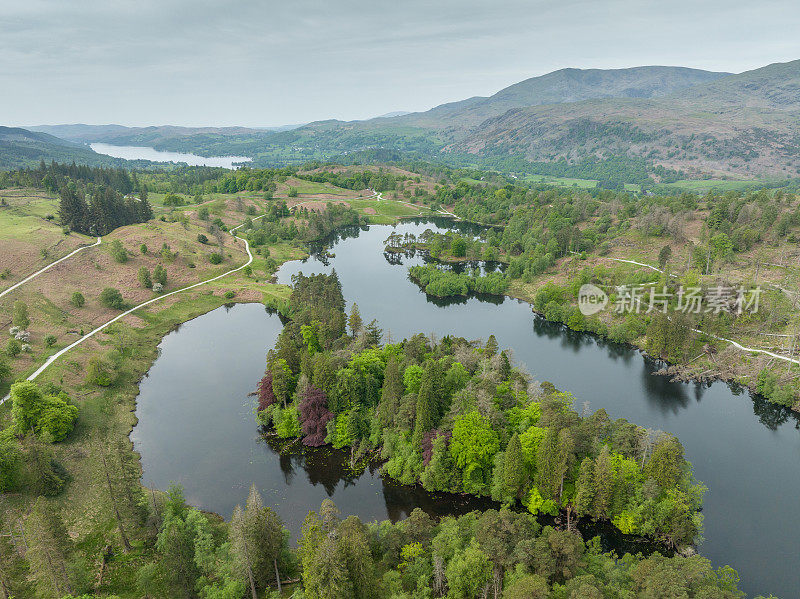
(456, 416)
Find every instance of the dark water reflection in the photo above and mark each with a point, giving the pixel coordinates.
(196, 424)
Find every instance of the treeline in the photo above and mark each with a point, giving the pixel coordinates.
(480, 555)
(446, 283)
(541, 226)
(457, 417)
(380, 180)
(55, 176)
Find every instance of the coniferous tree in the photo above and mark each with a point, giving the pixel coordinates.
(584, 488)
(547, 465)
(565, 456)
(282, 381)
(505, 366)
(491, 346)
(49, 548)
(603, 483)
(372, 334)
(391, 393)
(176, 543)
(427, 409)
(257, 539)
(355, 321)
(9, 563)
(514, 474)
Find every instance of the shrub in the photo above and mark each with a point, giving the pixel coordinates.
(215, 258)
(50, 340)
(166, 253)
(98, 372)
(13, 348)
(144, 278)
(202, 238)
(173, 199)
(77, 299)
(112, 298)
(202, 213)
(118, 252)
(20, 315)
(292, 192)
(160, 275)
(143, 248)
(230, 294)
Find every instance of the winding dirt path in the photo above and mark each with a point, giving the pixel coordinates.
(93, 332)
(51, 265)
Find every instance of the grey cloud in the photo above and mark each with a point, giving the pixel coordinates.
(260, 63)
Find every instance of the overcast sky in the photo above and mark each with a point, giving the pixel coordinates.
(261, 63)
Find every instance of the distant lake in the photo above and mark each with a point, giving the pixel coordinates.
(145, 153)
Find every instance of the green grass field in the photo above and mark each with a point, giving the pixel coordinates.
(304, 187)
(562, 181)
(387, 211)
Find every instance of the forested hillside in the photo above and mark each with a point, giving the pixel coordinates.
(20, 148)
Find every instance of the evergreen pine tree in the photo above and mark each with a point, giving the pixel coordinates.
(49, 547)
(355, 321)
(426, 407)
(513, 469)
(584, 488)
(391, 393)
(603, 483)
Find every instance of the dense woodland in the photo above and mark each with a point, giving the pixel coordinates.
(94, 200)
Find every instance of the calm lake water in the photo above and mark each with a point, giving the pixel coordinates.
(145, 153)
(196, 424)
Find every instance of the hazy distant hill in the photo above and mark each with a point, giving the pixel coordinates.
(143, 136)
(566, 86)
(699, 122)
(21, 147)
(79, 132)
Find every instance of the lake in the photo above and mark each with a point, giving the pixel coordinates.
(145, 153)
(196, 423)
